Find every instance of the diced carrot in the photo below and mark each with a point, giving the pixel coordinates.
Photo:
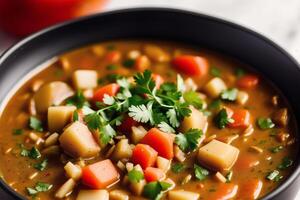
(110, 89)
(99, 175)
(191, 65)
(160, 141)
(126, 125)
(153, 174)
(144, 155)
(113, 56)
(225, 191)
(246, 162)
(142, 63)
(250, 189)
(247, 81)
(241, 118)
(158, 80)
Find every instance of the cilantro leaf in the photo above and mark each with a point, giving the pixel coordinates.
(144, 82)
(39, 187)
(265, 123)
(200, 172)
(276, 149)
(164, 127)
(230, 94)
(153, 190)
(177, 167)
(135, 176)
(171, 114)
(33, 153)
(215, 105)
(286, 163)
(141, 113)
(188, 141)
(222, 119)
(193, 98)
(93, 121)
(77, 100)
(35, 124)
(215, 72)
(107, 133)
(42, 165)
(108, 100)
(75, 116)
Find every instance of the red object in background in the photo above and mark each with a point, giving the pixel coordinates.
(22, 17)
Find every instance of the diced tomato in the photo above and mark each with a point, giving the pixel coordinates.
(153, 174)
(142, 63)
(250, 189)
(144, 155)
(99, 175)
(191, 65)
(241, 118)
(111, 90)
(158, 80)
(126, 125)
(113, 56)
(160, 141)
(246, 162)
(225, 191)
(247, 81)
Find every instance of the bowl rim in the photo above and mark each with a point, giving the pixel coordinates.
(8, 52)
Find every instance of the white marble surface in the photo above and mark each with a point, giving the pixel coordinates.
(277, 19)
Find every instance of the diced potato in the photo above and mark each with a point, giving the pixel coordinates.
(96, 134)
(196, 120)
(93, 195)
(163, 163)
(242, 97)
(59, 117)
(137, 188)
(85, 79)
(182, 195)
(219, 177)
(66, 189)
(73, 171)
(156, 53)
(51, 94)
(190, 85)
(122, 150)
(214, 87)
(179, 154)
(217, 155)
(78, 141)
(118, 195)
(51, 140)
(137, 134)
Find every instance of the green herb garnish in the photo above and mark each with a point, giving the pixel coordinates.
(135, 176)
(193, 99)
(177, 167)
(154, 190)
(286, 163)
(215, 72)
(77, 100)
(276, 149)
(230, 94)
(265, 123)
(272, 175)
(35, 124)
(33, 153)
(39, 187)
(200, 172)
(17, 131)
(189, 140)
(222, 119)
(129, 63)
(215, 105)
(41, 165)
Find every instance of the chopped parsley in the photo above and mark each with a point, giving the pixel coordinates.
(286, 163)
(222, 119)
(215, 105)
(178, 167)
(265, 123)
(77, 100)
(39, 187)
(154, 190)
(41, 165)
(33, 153)
(189, 140)
(200, 172)
(230, 94)
(35, 124)
(193, 98)
(276, 149)
(17, 131)
(215, 72)
(135, 176)
(272, 175)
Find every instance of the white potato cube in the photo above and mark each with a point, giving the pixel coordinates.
(214, 87)
(59, 117)
(93, 195)
(51, 94)
(137, 134)
(163, 163)
(85, 79)
(242, 97)
(182, 195)
(73, 171)
(122, 150)
(196, 120)
(65, 189)
(78, 141)
(217, 155)
(118, 195)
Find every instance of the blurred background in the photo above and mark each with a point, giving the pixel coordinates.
(277, 19)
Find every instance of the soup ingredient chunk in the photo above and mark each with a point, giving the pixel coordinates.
(59, 117)
(100, 174)
(110, 90)
(191, 65)
(93, 195)
(78, 141)
(85, 79)
(215, 87)
(182, 195)
(51, 94)
(196, 120)
(144, 155)
(217, 155)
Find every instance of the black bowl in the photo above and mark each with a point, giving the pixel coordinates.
(164, 24)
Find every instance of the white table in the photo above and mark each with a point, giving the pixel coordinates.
(277, 19)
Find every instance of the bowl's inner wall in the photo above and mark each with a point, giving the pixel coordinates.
(161, 24)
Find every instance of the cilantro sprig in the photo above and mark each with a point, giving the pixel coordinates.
(189, 140)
